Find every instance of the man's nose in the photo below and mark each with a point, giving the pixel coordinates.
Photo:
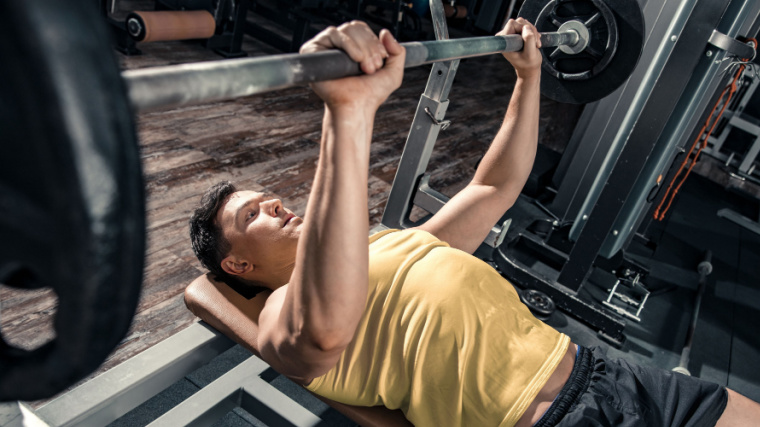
(274, 206)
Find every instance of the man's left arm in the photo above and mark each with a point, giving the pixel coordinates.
(465, 221)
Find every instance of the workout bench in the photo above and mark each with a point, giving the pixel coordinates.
(112, 394)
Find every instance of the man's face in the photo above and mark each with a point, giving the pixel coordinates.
(259, 229)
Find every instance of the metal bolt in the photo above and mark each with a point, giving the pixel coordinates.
(585, 217)
(709, 53)
(614, 232)
(673, 38)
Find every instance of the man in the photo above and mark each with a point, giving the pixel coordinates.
(437, 332)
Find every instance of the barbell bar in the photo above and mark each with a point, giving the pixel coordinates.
(177, 85)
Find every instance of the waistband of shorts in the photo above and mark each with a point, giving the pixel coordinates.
(576, 384)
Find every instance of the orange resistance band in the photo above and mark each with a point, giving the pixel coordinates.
(703, 133)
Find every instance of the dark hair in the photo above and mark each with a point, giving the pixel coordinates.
(207, 238)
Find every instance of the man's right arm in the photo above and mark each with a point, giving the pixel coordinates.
(306, 325)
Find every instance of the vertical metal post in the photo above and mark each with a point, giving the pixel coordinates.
(424, 132)
(704, 268)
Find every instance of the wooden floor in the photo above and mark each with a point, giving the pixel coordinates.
(268, 142)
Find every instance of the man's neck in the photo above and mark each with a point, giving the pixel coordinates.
(279, 277)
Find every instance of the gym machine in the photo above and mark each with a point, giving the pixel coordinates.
(220, 24)
(739, 154)
(621, 147)
(741, 117)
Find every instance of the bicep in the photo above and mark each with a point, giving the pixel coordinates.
(285, 348)
(465, 221)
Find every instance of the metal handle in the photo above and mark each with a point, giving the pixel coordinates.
(732, 46)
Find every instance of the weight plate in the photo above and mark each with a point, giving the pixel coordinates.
(616, 30)
(71, 191)
(540, 304)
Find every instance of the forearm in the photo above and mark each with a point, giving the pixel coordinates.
(329, 289)
(508, 162)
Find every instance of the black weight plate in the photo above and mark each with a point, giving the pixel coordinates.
(540, 304)
(71, 191)
(629, 22)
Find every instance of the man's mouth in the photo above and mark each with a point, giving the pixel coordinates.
(287, 219)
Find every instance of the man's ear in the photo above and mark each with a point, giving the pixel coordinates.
(236, 266)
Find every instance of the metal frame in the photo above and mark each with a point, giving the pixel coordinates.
(411, 185)
(240, 387)
(117, 391)
(644, 123)
(753, 226)
(733, 110)
(666, 89)
(683, 126)
(751, 155)
(428, 121)
(751, 125)
(124, 387)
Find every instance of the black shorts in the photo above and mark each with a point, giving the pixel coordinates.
(604, 392)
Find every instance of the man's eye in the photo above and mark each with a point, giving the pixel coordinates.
(250, 215)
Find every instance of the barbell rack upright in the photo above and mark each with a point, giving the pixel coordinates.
(173, 86)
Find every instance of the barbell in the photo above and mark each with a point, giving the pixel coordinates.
(177, 85)
(594, 56)
(71, 192)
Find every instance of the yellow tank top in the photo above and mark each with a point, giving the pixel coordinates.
(444, 338)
